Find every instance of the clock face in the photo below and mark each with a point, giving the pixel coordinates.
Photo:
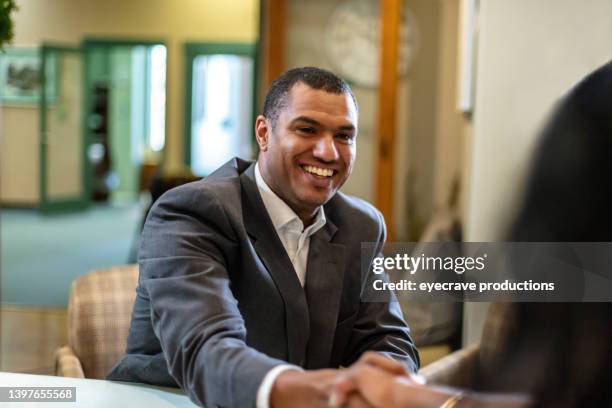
(353, 41)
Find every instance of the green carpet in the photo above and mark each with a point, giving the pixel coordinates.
(41, 255)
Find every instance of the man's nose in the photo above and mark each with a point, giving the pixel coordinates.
(325, 149)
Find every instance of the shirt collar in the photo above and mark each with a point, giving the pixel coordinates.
(281, 214)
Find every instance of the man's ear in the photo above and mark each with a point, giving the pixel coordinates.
(262, 132)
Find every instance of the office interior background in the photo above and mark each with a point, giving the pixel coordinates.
(100, 99)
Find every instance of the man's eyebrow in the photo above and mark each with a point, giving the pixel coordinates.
(346, 127)
(306, 119)
(313, 122)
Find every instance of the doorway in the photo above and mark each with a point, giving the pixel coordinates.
(125, 115)
(219, 105)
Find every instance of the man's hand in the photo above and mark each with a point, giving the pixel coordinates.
(303, 388)
(384, 383)
(387, 364)
(374, 378)
(307, 389)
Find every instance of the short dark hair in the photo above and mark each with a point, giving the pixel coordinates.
(316, 78)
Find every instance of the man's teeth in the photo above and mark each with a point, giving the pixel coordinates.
(319, 171)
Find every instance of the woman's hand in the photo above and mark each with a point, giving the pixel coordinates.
(381, 381)
(385, 383)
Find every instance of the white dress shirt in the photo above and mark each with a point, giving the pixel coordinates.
(296, 241)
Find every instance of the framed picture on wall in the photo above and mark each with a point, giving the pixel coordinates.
(21, 77)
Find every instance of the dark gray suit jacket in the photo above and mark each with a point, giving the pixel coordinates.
(219, 304)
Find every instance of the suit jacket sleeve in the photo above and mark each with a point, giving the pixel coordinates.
(380, 326)
(186, 241)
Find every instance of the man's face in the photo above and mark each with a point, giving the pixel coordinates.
(310, 151)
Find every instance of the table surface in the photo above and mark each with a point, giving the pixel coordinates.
(97, 393)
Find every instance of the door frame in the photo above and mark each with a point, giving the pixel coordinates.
(196, 49)
(66, 205)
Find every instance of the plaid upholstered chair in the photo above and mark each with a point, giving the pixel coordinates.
(460, 369)
(99, 314)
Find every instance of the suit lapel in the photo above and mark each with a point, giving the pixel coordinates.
(268, 246)
(324, 281)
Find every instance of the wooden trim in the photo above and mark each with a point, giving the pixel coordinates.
(387, 105)
(273, 34)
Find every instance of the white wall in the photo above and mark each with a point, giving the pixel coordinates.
(530, 53)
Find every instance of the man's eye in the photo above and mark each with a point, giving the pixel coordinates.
(345, 137)
(306, 130)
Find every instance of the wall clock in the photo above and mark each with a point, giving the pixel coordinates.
(352, 41)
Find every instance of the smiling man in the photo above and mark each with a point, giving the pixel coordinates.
(250, 280)
(307, 144)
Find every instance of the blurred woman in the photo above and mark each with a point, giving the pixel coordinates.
(562, 355)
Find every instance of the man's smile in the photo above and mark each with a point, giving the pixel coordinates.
(318, 171)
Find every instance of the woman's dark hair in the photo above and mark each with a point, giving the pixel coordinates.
(562, 352)
(569, 196)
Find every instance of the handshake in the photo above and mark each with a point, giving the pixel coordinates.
(371, 382)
